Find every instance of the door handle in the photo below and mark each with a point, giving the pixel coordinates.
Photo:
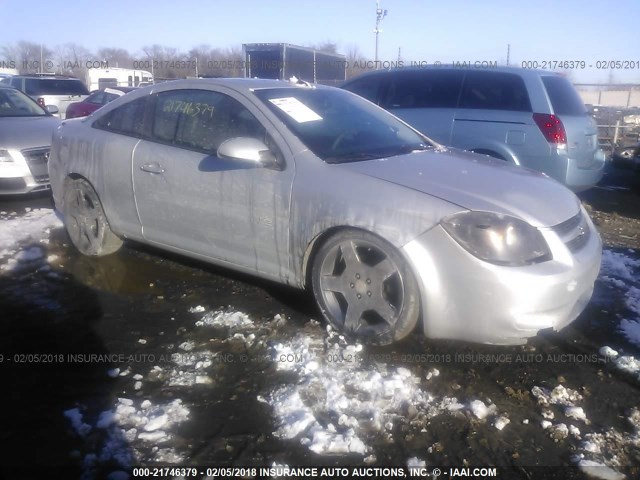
(152, 168)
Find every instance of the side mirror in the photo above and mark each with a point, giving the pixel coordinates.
(248, 150)
(52, 109)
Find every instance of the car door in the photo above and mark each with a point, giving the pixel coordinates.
(426, 99)
(495, 117)
(193, 201)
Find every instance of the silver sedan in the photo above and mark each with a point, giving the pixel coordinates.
(317, 188)
(25, 140)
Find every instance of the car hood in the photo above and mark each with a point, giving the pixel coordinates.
(477, 182)
(27, 132)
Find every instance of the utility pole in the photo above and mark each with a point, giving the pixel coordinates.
(380, 14)
(508, 53)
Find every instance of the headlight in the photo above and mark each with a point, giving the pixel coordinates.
(5, 156)
(498, 239)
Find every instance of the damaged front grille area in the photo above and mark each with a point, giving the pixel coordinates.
(574, 232)
(38, 160)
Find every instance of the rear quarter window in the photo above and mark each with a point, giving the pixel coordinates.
(367, 87)
(495, 91)
(564, 98)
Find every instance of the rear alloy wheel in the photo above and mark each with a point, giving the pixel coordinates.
(86, 221)
(364, 288)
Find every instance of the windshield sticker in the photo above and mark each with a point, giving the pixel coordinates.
(295, 109)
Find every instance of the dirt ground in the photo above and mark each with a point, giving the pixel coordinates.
(138, 302)
(614, 207)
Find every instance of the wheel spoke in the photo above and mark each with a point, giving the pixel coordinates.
(352, 317)
(332, 283)
(87, 234)
(385, 269)
(80, 202)
(385, 310)
(349, 254)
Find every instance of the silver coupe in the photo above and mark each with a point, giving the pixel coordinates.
(315, 187)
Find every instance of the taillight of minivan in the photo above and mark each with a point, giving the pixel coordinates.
(552, 129)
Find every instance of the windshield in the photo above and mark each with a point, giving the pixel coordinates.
(14, 103)
(339, 126)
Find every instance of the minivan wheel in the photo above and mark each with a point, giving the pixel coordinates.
(86, 222)
(365, 288)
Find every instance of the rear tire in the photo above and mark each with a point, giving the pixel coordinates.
(86, 222)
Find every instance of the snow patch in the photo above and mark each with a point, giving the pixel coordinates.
(480, 410)
(34, 226)
(220, 318)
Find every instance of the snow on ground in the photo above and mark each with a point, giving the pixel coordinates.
(339, 401)
(119, 435)
(32, 227)
(622, 272)
(608, 448)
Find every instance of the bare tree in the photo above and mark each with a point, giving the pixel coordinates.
(71, 59)
(29, 57)
(326, 46)
(357, 63)
(200, 56)
(167, 62)
(115, 57)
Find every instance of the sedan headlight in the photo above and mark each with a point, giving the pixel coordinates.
(5, 156)
(498, 239)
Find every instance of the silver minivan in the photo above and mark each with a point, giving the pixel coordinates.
(531, 118)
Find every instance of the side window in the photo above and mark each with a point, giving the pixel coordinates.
(201, 119)
(127, 119)
(495, 91)
(424, 89)
(108, 97)
(368, 87)
(97, 98)
(31, 86)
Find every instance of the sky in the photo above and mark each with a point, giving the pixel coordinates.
(592, 32)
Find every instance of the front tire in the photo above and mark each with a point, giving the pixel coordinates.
(86, 222)
(365, 288)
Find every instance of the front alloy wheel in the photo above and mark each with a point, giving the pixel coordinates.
(365, 288)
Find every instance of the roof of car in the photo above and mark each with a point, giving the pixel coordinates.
(240, 83)
(466, 67)
(46, 76)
